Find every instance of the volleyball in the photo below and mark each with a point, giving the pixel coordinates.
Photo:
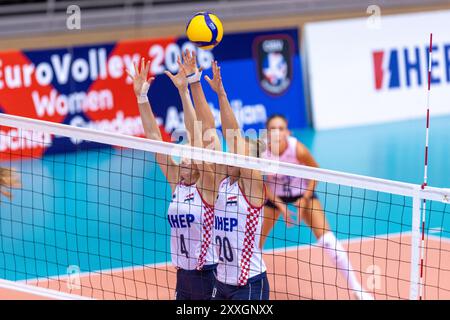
(205, 30)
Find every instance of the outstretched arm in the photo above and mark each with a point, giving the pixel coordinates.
(230, 126)
(305, 157)
(252, 179)
(202, 109)
(194, 132)
(141, 85)
(190, 120)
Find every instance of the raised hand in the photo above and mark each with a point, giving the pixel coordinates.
(190, 62)
(9, 179)
(140, 77)
(179, 80)
(216, 82)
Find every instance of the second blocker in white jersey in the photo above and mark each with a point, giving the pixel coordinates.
(237, 227)
(191, 222)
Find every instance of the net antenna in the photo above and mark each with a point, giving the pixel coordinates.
(425, 176)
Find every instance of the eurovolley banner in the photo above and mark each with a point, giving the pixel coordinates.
(87, 86)
(366, 71)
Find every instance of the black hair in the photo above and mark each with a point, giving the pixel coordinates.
(276, 115)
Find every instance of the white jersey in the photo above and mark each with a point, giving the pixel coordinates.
(237, 227)
(281, 185)
(191, 225)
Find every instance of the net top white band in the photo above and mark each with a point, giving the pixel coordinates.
(199, 154)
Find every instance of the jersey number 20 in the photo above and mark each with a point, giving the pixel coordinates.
(225, 248)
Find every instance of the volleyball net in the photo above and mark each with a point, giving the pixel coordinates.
(91, 222)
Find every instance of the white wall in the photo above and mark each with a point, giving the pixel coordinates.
(341, 69)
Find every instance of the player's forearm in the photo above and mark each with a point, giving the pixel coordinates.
(227, 116)
(230, 126)
(190, 119)
(202, 109)
(152, 131)
(149, 122)
(205, 115)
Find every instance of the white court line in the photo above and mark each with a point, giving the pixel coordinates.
(437, 238)
(435, 230)
(97, 273)
(42, 292)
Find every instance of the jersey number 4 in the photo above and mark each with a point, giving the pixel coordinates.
(183, 246)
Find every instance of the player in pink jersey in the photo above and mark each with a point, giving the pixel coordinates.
(191, 211)
(9, 179)
(284, 190)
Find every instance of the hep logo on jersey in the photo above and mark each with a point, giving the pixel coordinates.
(408, 66)
(225, 224)
(180, 220)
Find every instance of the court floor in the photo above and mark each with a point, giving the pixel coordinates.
(101, 214)
(294, 273)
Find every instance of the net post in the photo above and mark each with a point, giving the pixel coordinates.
(415, 248)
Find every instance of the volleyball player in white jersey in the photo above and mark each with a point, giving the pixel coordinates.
(9, 179)
(241, 272)
(191, 211)
(284, 190)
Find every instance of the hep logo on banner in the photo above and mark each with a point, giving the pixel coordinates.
(408, 67)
